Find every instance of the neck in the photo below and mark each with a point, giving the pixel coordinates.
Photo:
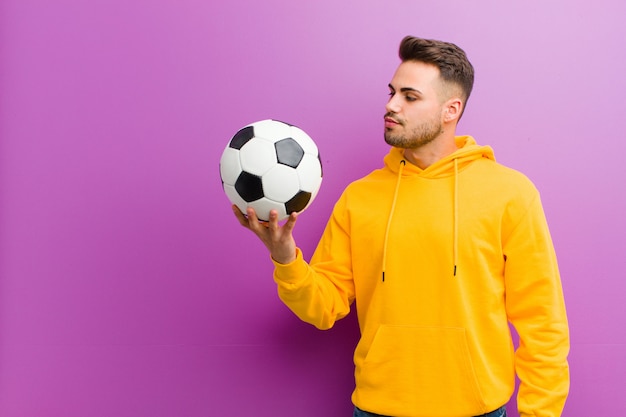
(431, 152)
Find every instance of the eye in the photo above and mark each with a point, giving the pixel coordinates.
(410, 98)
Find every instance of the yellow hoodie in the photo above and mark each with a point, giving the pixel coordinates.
(439, 261)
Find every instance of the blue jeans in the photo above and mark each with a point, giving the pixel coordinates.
(500, 412)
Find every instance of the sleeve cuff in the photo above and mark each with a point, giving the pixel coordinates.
(293, 271)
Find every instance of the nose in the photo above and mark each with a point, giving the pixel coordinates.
(393, 105)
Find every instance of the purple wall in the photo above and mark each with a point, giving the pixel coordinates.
(127, 288)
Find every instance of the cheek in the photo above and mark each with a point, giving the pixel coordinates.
(428, 112)
(439, 112)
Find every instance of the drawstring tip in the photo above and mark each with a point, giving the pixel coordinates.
(383, 276)
(455, 270)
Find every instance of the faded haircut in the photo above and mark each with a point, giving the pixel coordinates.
(451, 60)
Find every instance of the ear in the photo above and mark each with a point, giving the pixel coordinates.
(452, 110)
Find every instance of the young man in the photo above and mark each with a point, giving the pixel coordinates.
(440, 249)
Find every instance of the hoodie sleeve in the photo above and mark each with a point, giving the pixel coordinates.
(320, 293)
(535, 307)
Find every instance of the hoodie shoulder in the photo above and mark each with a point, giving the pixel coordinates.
(507, 180)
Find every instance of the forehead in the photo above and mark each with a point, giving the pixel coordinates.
(417, 75)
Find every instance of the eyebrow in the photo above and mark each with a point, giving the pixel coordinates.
(407, 89)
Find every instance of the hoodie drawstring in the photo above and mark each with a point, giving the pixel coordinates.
(455, 226)
(455, 243)
(393, 208)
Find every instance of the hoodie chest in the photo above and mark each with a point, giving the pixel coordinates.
(422, 208)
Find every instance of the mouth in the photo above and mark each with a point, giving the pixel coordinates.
(390, 122)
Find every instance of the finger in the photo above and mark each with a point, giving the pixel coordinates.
(240, 216)
(291, 222)
(273, 223)
(253, 221)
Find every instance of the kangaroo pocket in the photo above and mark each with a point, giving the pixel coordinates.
(419, 371)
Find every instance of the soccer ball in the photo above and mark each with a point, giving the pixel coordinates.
(271, 165)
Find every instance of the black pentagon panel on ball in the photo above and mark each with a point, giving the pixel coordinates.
(242, 137)
(249, 187)
(298, 202)
(289, 152)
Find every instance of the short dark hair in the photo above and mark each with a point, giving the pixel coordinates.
(451, 60)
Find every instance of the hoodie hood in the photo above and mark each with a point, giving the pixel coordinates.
(468, 151)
